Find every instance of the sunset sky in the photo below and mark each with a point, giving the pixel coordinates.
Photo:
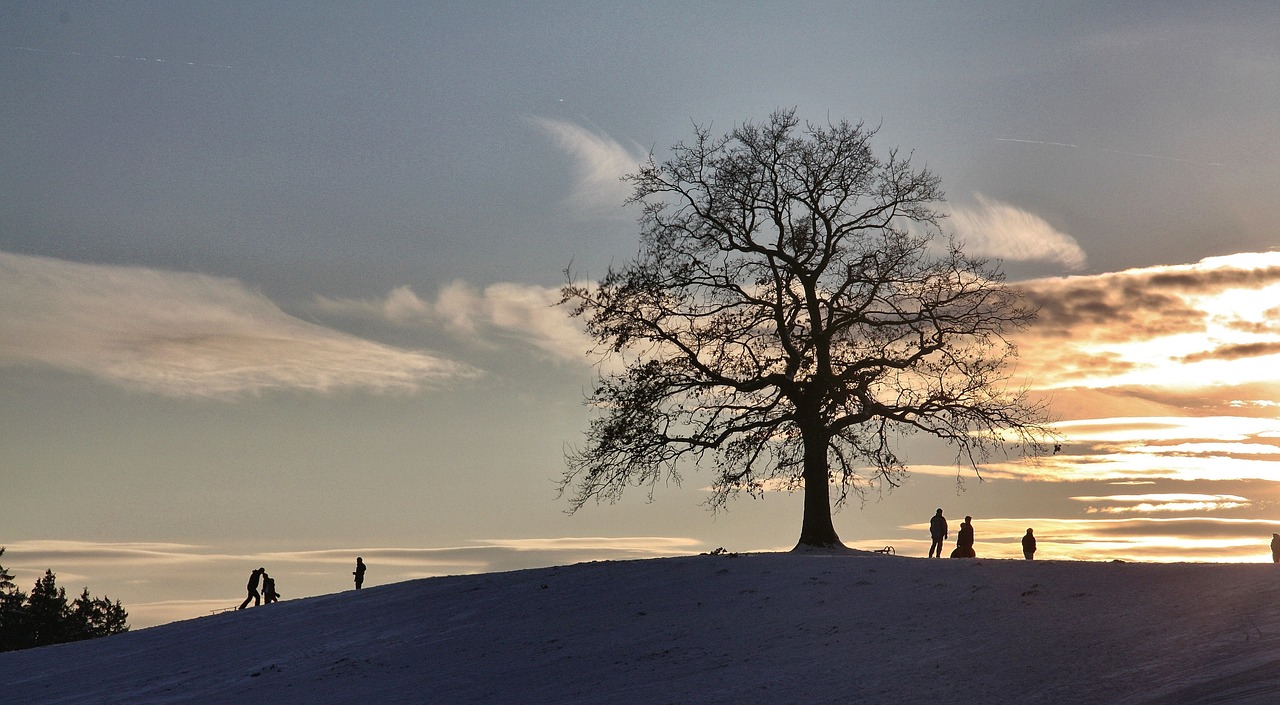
(276, 278)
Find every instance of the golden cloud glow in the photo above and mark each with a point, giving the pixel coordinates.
(1204, 324)
(1170, 502)
(1170, 428)
(1167, 377)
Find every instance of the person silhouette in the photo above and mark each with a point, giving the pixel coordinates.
(1029, 545)
(253, 589)
(269, 593)
(938, 532)
(359, 572)
(1275, 548)
(964, 540)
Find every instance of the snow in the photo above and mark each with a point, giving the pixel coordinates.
(754, 628)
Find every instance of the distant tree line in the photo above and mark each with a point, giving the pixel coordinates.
(45, 617)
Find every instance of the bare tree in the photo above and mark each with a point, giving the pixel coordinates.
(793, 310)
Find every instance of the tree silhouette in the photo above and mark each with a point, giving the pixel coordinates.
(12, 614)
(793, 310)
(46, 612)
(92, 617)
(44, 617)
(6, 580)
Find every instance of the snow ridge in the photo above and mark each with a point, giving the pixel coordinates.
(742, 629)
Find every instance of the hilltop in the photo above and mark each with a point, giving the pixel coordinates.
(752, 628)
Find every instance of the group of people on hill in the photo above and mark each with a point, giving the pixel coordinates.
(268, 583)
(269, 593)
(938, 531)
(964, 539)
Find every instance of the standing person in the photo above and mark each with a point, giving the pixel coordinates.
(1029, 546)
(938, 532)
(359, 572)
(964, 540)
(1275, 548)
(253, 589)
(269, 593)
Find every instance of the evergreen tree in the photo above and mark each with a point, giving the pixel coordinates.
(13, 631)
(13, 622)
(6, 580)
(92, 617)
(47, 612)
(44, 617)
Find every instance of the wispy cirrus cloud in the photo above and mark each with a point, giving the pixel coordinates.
(600, 162)
(491, 554)
(1180, 448)
(1160, 502)
(499, 314)
(138, 553)
(991, 228)
(186, 334)
(1236, 351)
(1175, 432)
(1134, 465)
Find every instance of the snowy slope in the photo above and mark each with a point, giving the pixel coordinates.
(761, 628)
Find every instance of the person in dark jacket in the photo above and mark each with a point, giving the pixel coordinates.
(269, 593)
(964, 540)
(938, 532)
(1275, 548)
(1029, 545)
(254, 577)
(359, 572)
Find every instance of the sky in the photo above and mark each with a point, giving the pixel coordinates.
(278, 280)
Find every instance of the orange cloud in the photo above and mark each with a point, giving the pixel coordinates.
(1203, 326)
(1235, 352)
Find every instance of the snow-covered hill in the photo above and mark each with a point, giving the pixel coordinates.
(760, 628)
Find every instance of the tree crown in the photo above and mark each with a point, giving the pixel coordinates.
(793, 309)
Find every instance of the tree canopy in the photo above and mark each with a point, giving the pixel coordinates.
(793, 310)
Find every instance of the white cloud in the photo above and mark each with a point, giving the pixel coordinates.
(600, 163)
(185, 334)
(153, 555)
(1170, 502)
(488, 317)
(995, 229)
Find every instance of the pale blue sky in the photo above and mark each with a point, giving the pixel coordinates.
(275, 276)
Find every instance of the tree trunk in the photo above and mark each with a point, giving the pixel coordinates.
(817, 529)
